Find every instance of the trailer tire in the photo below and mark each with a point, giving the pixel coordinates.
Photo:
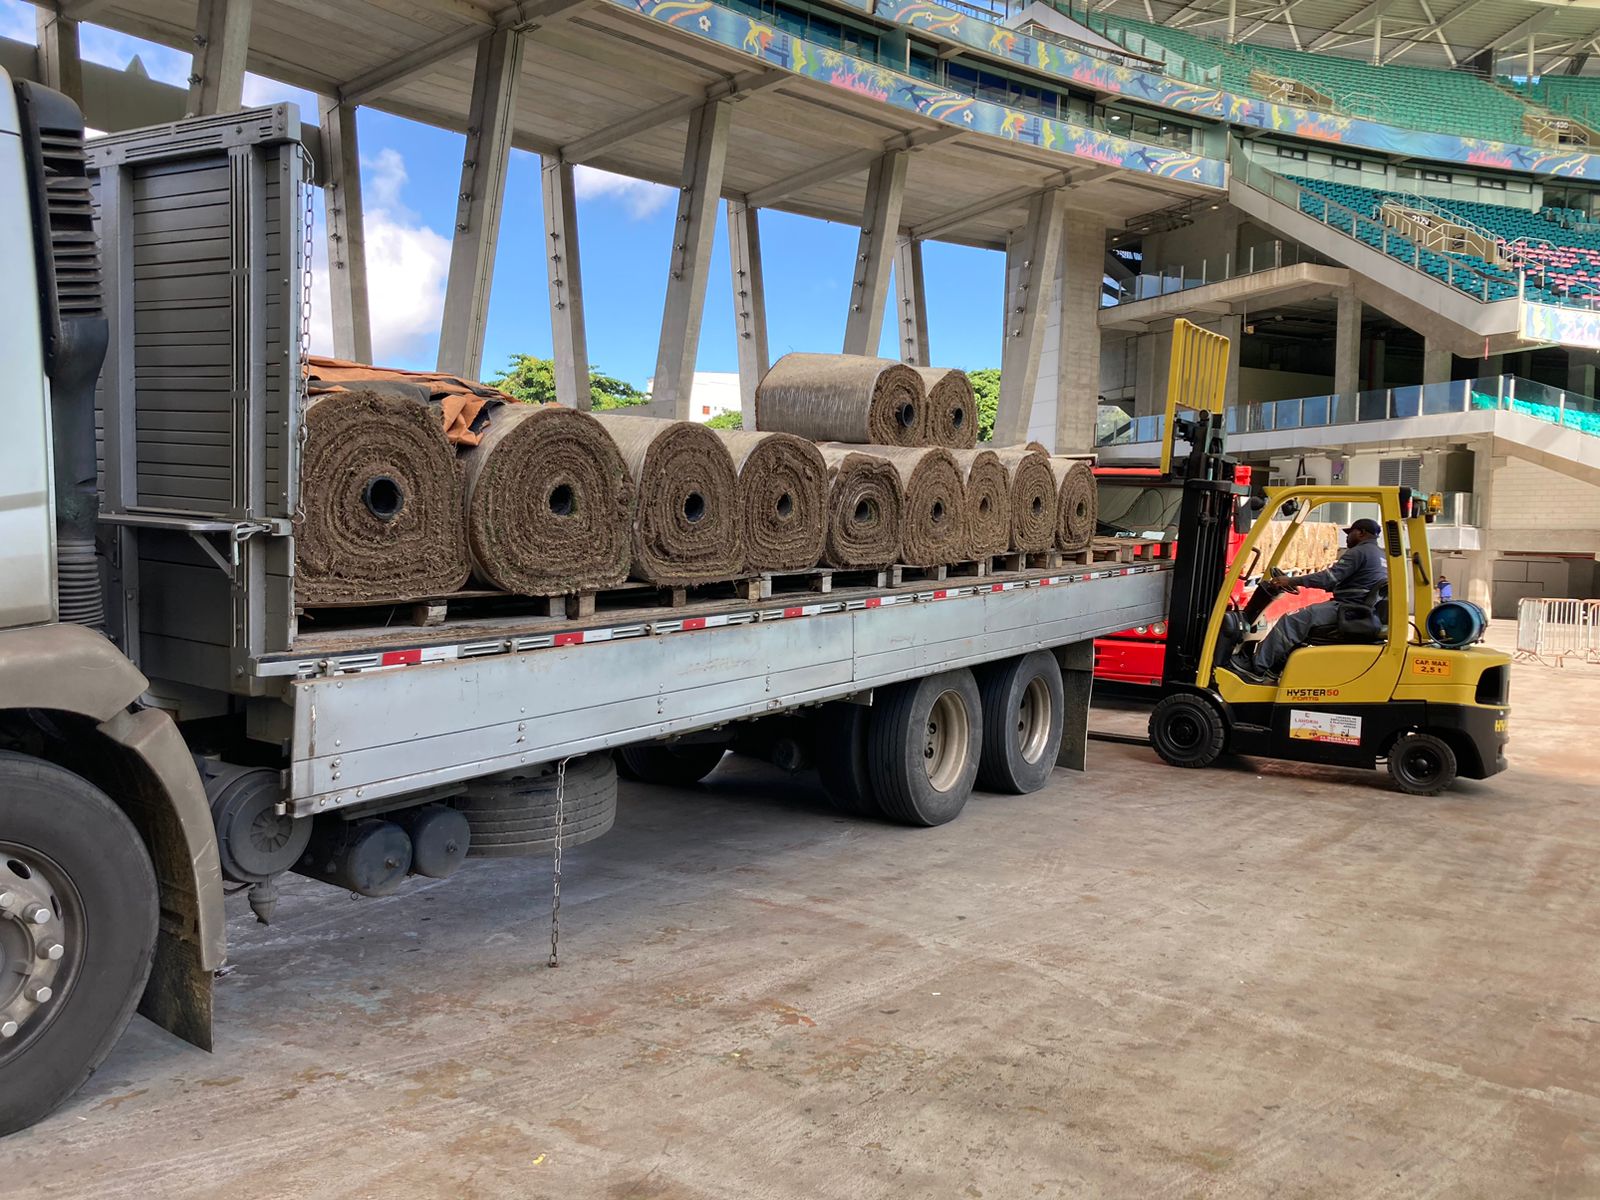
(1023, 707)
(513, 815)
(842, 758)
(923, 747)
(67, 848)
(1188, 731)
(671, 765)
(1421, 764)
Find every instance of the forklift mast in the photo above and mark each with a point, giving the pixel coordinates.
(1195, 388)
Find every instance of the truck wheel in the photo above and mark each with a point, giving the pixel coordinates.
(1187, 731)
(923, 747)
(1022, 714)
(841, 746)
(670, 766)
(77, 932)
(1422, 764)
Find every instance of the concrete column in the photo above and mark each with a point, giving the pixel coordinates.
(1233, 327)
(221, 41)
(913, 299)
(880, 227)
(1436, 363)
(1581, 366)
(60, 66)
(1347, 345)
(564, 272)
(1032, 254)
(1477, 581)
(1153, 357)
(346, 241)
(1083, 253)
(749, 303)
(704, 157)
(480, 200)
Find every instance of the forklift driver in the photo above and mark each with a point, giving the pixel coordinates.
(1351, 579)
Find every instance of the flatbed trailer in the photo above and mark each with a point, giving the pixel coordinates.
(172, 719)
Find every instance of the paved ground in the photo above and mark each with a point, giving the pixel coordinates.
(1254, 981)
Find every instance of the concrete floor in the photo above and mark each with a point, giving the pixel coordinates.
(1255, 981)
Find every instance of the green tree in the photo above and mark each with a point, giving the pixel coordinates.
(986, 390)
(533, 380)
(726, 420)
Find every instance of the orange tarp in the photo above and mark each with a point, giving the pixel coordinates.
(460, 401)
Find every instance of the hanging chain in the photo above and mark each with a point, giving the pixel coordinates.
(555, 875)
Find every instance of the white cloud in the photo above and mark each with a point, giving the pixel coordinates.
(407, 263)
(258, 90)
(639, 196)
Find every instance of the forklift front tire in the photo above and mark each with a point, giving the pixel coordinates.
(1421, 764)
(1188, 731)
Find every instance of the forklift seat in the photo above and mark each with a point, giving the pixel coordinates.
(1377, 601)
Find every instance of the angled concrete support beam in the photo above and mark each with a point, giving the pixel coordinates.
(347, 246)
(520, 17)
(736, 88)
(880, 226)
(59, 64)
(913, 301)
(480, 200)
(1031, 263)
(1080, 282)
(704, 157)
(846, 165)
(565, 273)
(749, 303)
(221, 40)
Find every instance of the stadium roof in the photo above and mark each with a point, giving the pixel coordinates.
(1560, 35)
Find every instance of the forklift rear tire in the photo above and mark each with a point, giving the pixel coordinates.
(1188, 731)
(670, 766)
(1022, 714)
(923, 747)
(1421, 764)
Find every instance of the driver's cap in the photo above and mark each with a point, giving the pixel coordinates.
(1365, 525)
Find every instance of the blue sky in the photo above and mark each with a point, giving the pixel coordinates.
(410, 174)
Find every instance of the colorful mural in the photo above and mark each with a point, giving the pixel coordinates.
(761, 41)
(1204, 101)
(1562, 326)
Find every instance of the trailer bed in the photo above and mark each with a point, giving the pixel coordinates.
(385, 712)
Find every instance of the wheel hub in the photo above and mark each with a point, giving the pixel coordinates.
(1033, 720)
(944, 753)
(38, 951)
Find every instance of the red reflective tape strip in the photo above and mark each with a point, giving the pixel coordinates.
(794, 612)
(568, 639)
(401, 658)
(940, 595)
(874, 601)
(694, 623)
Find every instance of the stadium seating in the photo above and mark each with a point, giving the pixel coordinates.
(1576, 96)
(1455, 102)
(1560, 265)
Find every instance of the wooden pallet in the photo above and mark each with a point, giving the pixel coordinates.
(477, 604)
(819, 580)
(1129, 550)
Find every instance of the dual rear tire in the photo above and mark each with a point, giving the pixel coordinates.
(916, 755)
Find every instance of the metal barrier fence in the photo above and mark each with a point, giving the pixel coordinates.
(1552, 631)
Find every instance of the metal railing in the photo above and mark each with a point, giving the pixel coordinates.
(1551, 631)
(1507, 393)
(1268, 256)
(1373, 234)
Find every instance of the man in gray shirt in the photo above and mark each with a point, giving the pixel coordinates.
(1351, 579)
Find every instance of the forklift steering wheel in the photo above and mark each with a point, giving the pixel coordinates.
(1280, 582)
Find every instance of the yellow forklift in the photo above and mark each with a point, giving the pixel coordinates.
(1400, 681)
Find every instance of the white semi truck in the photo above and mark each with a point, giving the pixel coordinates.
(171, 722)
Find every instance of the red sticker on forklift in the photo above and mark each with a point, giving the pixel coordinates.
(1337, 728)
